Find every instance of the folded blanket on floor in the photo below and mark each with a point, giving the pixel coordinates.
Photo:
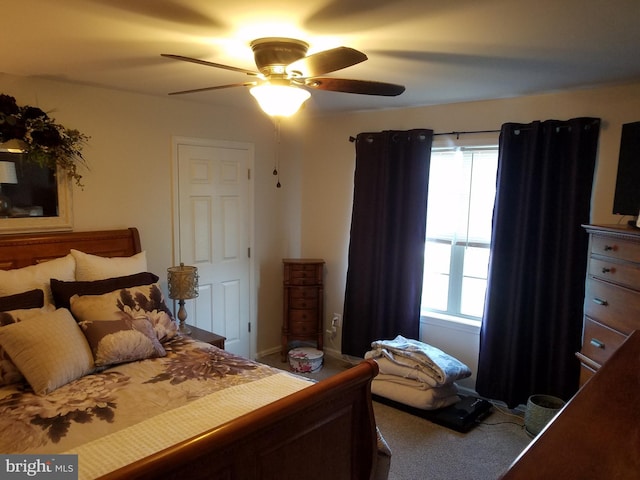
(423, 399)
(424, 358)
(387, 367)
(437, 392)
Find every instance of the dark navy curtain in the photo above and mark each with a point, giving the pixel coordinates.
(386, 249)
(532, 321)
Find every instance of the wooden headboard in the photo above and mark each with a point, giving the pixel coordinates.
(21, 250)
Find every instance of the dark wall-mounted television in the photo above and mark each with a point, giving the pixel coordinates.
(627, 197)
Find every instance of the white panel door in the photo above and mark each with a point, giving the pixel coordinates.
(214, 215)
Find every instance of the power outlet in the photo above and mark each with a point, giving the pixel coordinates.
(336, 320)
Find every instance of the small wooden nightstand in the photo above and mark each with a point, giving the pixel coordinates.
(207, 337)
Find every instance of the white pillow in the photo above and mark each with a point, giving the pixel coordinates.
(37, 276)
(94, 267)
(50, 350)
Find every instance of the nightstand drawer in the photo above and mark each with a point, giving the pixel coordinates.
(616, 307)
(600, 341)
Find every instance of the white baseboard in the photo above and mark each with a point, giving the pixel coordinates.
(268, 351)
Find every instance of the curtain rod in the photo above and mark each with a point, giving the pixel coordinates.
(457, 134)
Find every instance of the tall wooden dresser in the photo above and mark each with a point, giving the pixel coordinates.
(303, 302)
(612, 298)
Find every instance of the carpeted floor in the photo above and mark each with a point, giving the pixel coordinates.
(424, 450)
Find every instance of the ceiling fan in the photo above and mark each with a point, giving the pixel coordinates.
(284, 67)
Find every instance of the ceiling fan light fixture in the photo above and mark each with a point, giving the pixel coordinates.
(279, 100)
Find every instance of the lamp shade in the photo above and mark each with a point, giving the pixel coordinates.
(8, 172)
(13, 146)
(279, 100)
(183, 282)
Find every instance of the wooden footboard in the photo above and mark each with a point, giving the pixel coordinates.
(324, 431)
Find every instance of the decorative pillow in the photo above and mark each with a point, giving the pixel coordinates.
(49, 350)
(128, 303)
(22, 314)
(9, 373)
(37, 276)
(95, 267)
(63, 291)
(122, 340)
(30, 299)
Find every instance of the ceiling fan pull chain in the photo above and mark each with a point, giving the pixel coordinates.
(276, 166)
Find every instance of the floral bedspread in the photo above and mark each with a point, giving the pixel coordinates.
(119, 397)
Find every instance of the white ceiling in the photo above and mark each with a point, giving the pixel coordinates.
(442, 51)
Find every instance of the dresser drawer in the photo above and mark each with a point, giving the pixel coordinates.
(303, 303)
(302, 328)
(303, 273)
(615, 248)
(304, 293)
(306, 316)
(586, 373)
(627, 274)
(614, 306)
(600, 341)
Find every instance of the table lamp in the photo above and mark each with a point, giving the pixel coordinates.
(183, 285)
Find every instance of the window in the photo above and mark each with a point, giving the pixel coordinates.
(462, 187)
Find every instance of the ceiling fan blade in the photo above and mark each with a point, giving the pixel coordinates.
(219, 87)
(325, 62)
(209, 64)
(362, 87)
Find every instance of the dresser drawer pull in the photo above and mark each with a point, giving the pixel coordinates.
(608, 270)
(608, 248)
(596, 343)
(600, 301)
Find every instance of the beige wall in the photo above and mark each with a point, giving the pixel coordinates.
(129, 181)
(329, 160)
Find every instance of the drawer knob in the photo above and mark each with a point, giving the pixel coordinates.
(608, 248)
(606, 270)
(596, 343)
(599, 301)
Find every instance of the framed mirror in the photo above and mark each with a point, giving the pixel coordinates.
(33, 198)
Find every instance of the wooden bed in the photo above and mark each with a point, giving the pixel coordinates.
(333, 419)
